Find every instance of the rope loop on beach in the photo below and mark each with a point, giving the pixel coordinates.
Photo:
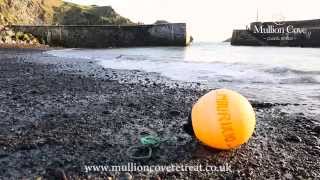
(147, 144)
(134, 149)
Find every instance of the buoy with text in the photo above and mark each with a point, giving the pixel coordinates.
(223, 119)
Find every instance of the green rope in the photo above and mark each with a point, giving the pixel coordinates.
(150, 141)
(147, 143)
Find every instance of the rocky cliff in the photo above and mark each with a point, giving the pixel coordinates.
(49, 12)
(13, 39)
(56, 12)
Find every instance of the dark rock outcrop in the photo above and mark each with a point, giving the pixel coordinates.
(11, 38)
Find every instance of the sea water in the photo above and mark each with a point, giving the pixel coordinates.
(270, 74)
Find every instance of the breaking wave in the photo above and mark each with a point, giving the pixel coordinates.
(284, 70)
(300, 80)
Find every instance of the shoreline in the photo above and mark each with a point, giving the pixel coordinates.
(24, 46)
(61, 114)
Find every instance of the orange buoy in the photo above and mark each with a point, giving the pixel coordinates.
(223, 119)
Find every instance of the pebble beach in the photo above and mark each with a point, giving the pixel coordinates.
(59, 115)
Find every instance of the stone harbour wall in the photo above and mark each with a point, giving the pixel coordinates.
(104, 36)
(285, 33)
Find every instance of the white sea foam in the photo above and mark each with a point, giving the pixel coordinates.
(212, 62)
(286, 73)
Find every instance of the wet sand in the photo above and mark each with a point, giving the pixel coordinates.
(58, 115)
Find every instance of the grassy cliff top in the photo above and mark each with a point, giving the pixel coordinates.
(57, 12)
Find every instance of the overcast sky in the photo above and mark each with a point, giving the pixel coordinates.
(211, 20)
